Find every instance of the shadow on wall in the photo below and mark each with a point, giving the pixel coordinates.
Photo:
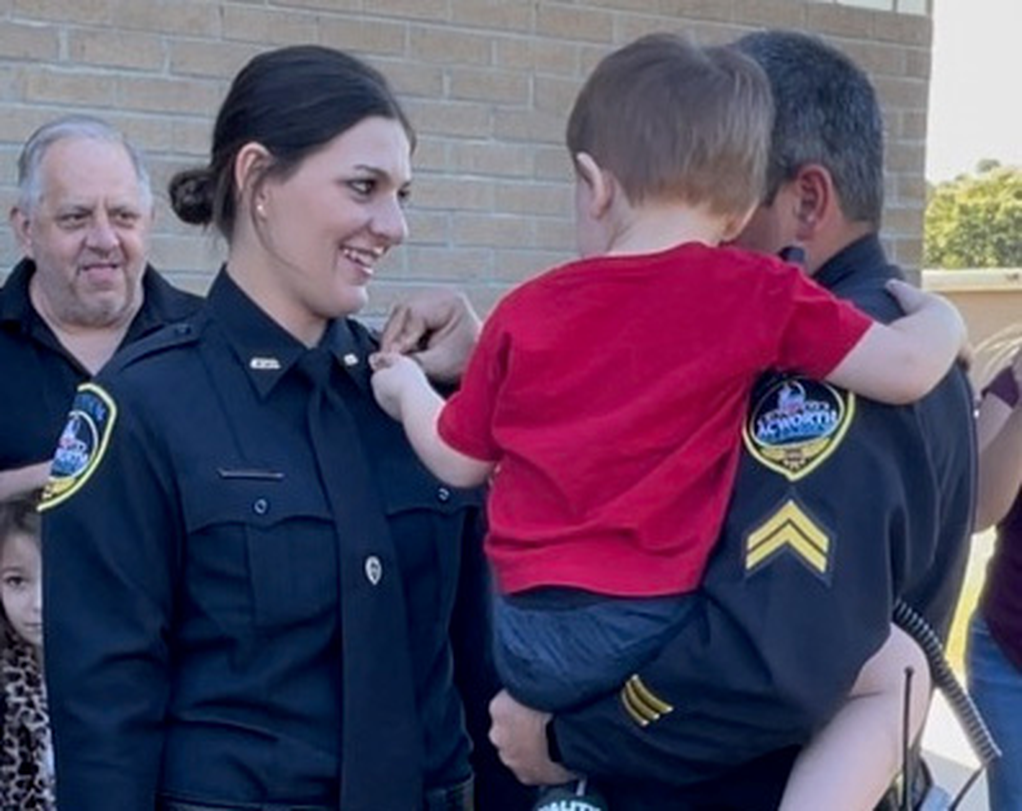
(991, 303)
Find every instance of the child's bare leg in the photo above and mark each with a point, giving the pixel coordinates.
(851, 762)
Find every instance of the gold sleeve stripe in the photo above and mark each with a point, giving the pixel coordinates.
(641, 703)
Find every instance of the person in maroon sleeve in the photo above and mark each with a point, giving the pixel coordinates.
(994, 656)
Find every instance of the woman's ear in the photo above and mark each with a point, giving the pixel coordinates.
(597, 181)
(249, 166)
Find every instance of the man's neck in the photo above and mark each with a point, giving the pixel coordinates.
(92, 346)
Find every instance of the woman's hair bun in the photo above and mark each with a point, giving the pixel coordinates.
(191, 195)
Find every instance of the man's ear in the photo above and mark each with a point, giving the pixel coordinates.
(815, 200)
(599, 183)
(22, 228)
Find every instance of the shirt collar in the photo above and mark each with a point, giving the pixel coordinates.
(267, 350)
(861, 262)
(15, 306)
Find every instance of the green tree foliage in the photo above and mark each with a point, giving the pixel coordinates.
(975, 221)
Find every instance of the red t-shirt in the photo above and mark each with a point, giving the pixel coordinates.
(611, 391)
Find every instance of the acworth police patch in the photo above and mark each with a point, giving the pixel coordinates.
(81, 445)
(796, 424)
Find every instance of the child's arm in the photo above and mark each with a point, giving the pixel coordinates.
(401, 389)
(853, 760)
(900, 362)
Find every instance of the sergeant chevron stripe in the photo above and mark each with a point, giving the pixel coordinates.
(789, 529)
(641, 703)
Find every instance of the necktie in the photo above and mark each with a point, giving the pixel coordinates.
(381, 737)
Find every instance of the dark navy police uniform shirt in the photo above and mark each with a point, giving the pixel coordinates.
(840, 505)
(240, 607)
(39, 375)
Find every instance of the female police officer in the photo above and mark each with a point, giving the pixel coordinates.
(249, 577)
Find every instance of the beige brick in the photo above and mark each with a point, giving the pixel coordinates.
(186, 253)
(450, 118)
(431, 153)
(874, 5)
(76, 87)
(448, 46)
(901, 157)
(903, 94)
(491, 158)
(410, 79)
(770, 13)
(553, 163)
(501, 87)
(912, 125)
(839, 20)
(903, 220)
(269, 26)
(876, 59)
(534, 198)
(557, 96)
(528, 125)
(463, 264)
(543, 56)
(453, 193)
(91, 12)
(908, 29)
(186, 17)
(555, 234)
(708, 33)
(112, 48)
(149, 133)
(492, 230)
(36, 42)
(209, 58)
(910, 188)
(323, 5)
(169, 95)
(193, 136)
(360, 34)
(428, 227)
(494, 15)
(518, 265)
(697, 9)
(917, 63)
(412, 9)
(574, 23)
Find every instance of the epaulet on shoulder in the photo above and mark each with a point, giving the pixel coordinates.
(165, 339)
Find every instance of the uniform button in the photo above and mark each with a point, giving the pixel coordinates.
(260, 506)
(443, 495)
(373, 569)
(183, 329)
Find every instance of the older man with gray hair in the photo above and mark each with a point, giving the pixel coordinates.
(83, 289)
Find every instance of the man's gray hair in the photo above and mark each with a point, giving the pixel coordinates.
(60, 129)
(826, 113)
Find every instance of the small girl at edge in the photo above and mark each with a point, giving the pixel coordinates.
(26, 754)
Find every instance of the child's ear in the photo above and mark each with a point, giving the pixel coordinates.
(599, 183)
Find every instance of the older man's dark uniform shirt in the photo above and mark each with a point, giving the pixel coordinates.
(840, 504)
(38, 376)
(265, 619)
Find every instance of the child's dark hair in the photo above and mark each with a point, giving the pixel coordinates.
(292, 101)
(672, 120)
(19, 515)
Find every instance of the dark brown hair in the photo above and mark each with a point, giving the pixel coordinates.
(292, 101)
(672, 120)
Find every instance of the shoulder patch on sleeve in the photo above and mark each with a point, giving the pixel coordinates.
(796, 424)
(81, 445)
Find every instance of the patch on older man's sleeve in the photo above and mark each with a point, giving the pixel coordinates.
(81, 445)
(642, 704)
(796, 424)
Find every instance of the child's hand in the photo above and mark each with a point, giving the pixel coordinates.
(395, 376)
(913, 300)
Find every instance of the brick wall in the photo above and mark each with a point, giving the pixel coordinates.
(488, 84)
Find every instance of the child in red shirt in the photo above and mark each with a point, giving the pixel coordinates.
(606, 396)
